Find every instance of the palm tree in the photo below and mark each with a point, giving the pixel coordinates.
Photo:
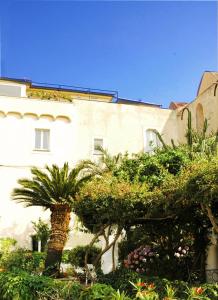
(107, 162)
(54, 189)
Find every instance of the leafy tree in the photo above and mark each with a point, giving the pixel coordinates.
(104, 205)
(202, 189)
(146, 188)
(53, 189)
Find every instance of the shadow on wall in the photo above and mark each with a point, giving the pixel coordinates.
(171, 129)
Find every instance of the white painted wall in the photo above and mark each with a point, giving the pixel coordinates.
(73, 127)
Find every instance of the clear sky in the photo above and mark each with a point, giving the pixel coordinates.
(150, 50)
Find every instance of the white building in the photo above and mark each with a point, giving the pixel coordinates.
(42, 125)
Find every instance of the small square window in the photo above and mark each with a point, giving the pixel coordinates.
(98, 143)
(42, 139)
(151, 140)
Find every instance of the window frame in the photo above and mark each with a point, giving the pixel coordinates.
(94, 151)
(42, 130)
(148, 148)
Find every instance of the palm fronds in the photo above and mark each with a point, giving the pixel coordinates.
(52, 186)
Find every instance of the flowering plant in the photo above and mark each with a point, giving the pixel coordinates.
(197, 293)
(170, 293)
(145, 291)
(141, 259)
(182, 252)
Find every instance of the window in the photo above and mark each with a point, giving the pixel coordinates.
(98, 143)
(42, 139)
(151, 140)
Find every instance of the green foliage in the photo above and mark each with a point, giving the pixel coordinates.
(22, 286)
(53, 186)
(119, 279)
(97, 292)
(42, 229)
(108, 201)
(188, 229)
(60, 291)
(107, 162)
(120, 296)
(141, 168)
(76, 256)
(6, 245)
(202, 185)
(145, 291)
(54, 189)
(25, 260)
(173, 160)
(167, 290)
(200, 144)
(65, 256)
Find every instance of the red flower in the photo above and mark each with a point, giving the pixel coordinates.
(141, 284)
(199, 290)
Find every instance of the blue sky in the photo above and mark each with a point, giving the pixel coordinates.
(155, 51)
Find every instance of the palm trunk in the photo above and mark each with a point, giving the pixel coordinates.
(60, 219)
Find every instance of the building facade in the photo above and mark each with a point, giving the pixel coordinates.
(42, 125)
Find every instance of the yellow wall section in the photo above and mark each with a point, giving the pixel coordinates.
(64, 95)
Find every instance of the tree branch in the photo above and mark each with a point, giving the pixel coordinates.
(144, 220)
(211, 217)
(101, 231)
(119, 230)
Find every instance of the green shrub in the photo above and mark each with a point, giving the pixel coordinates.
(7, 244)
(23, 286)
(60, 291)
(22, 259)
(65, 256)
(211, 290)
(97, 292)
(119, 296)
(120, 279)
(76, 256)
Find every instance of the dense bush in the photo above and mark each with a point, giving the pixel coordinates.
(141, 168)
(121, 278)
(65, 256)
(23, 286)
(22, 259)
(187, 231)
(76, 256)
(97, 292)
(172, 159)
(7, 244)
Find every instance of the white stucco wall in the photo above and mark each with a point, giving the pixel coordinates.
(73, 127)
(209, 101)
